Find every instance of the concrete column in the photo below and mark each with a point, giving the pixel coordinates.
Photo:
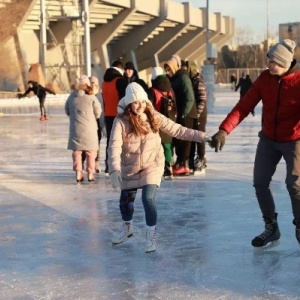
(163, 41)
(101, 37)
(182, 45)
(104, 58)
(220, 38)
(134, 38)
(132, 57)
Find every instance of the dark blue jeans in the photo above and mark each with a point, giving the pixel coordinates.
(268, 155)
(148, 198)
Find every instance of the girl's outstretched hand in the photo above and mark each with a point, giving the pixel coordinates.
(115, 179)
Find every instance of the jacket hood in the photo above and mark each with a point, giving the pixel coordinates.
(193, 69)
(162, 83)
(111, 73)
(134, 77)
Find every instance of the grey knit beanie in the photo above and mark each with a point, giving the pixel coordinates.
(282, 53)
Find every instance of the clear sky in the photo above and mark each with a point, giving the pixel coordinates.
(253, 14)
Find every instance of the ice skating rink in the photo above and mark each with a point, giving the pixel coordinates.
(55, 235)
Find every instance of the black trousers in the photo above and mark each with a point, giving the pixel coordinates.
(268, 155)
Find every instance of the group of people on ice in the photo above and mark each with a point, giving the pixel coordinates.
(147, 127)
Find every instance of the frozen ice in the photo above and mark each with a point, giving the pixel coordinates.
(55, 235)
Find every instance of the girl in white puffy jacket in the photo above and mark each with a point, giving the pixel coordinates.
(136, 158)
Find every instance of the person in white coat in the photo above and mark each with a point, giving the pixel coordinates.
(136, 158)
(83, 109)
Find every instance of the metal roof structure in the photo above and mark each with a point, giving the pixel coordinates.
(145, 32)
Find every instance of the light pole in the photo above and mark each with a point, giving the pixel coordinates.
(87, 38)
(267, 25)
(208, 69)
(207, 32)
(43, 37)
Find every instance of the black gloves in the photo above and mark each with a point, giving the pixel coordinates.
(218, 140)
(181, 120)
(20, 95)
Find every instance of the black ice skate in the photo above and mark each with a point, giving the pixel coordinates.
(297, 230)
(200, 165)
(270, 237)
(168, 171)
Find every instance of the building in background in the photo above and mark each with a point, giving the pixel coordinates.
(291, 31)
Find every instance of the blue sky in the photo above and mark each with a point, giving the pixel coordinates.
(252, 14)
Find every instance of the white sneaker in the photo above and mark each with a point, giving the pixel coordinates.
(151, 236)
(125, 231)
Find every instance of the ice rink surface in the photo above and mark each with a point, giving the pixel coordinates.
(55, 235)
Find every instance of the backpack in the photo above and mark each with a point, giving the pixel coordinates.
(165, 103)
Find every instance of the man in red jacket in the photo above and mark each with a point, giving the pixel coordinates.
(278, 88)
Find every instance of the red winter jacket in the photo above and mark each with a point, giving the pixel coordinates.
(280, 106)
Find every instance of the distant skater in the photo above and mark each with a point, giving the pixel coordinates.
(41, 93)
(233, 81)
(244, 85)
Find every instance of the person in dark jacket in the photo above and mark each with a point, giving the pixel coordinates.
(41, 93)
(131, 75)
(113, 89)
(186, 112)
(162, 97)
(278, 88)
(233, 81)
(244, 85)
(198, 164)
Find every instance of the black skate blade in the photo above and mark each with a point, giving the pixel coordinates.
(268, 246)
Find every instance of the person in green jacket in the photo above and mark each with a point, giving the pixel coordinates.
(186, 112)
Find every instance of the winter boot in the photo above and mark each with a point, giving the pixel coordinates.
(200, 164)
(181, 169)
(168, 171)
(186, 168)
(151, 236)
(79, 176)
(91, 177)
(106, 167)
(125, 231)
(270, 235)
(97, 167)
(297, 224)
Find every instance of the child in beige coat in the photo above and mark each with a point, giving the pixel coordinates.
(136, 158)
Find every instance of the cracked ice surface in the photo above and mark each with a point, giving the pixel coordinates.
(55, 235)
